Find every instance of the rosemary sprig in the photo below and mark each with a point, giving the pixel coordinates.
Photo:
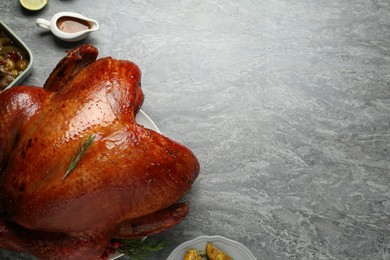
(137, 249)
(79, 154)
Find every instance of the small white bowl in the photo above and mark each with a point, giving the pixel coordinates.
(233, 248)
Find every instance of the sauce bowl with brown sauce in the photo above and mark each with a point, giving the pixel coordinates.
(69, 26)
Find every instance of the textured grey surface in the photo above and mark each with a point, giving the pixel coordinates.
(285, 102)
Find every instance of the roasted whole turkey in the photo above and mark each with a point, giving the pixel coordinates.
(126, 180)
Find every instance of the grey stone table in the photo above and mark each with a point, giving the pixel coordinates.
(286, 103)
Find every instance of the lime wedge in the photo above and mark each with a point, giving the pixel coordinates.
(33, 5)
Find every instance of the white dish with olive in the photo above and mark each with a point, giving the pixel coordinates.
(15, 58)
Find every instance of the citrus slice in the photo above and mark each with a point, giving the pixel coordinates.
(33, 5)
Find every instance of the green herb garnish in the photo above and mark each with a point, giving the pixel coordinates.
(80, 153)
(137, 249)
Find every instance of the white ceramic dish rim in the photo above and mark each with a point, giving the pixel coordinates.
(200, 243)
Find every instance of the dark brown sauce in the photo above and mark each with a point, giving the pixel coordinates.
(71, 25)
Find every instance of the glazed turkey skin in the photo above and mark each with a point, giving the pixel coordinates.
(127, 182)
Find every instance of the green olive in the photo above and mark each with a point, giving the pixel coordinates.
(14, 73)
(9, 65)
(22, 64)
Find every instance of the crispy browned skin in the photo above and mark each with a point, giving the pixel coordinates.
(126, 183)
